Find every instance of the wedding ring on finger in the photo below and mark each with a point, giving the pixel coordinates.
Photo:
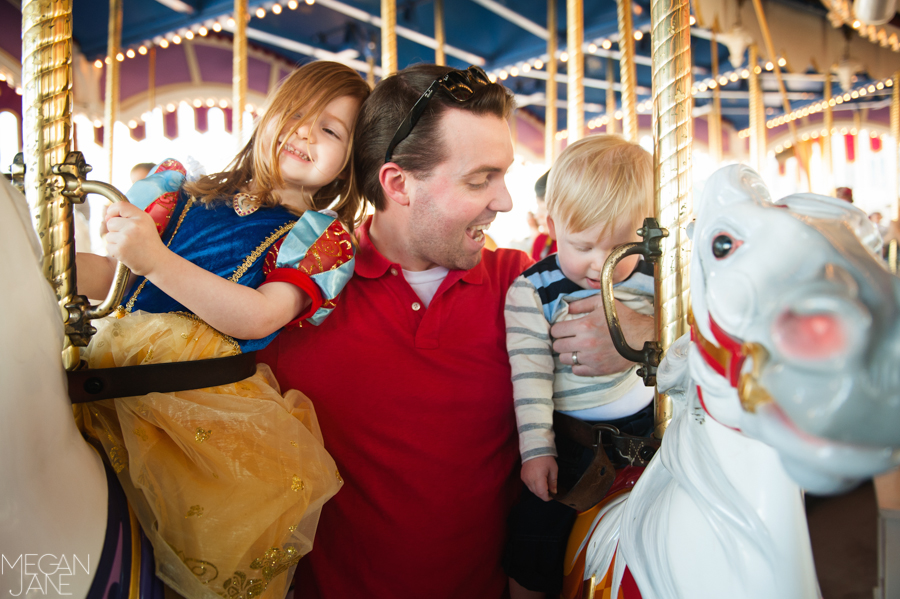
(574, 358)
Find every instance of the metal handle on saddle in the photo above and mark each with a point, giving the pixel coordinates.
(72, 174)
(650, 355)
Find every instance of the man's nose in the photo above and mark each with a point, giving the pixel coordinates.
(502, 202)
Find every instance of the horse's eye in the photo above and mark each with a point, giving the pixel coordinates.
(722, 246)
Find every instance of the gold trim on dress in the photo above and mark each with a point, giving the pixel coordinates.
(259, 251)
(188, 205)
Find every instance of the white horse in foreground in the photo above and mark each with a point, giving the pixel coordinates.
(53, 492)
(790, 379)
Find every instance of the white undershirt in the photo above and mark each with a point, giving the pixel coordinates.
(426, 282)
(636, 399)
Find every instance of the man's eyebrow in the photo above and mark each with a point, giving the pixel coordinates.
(484, 169)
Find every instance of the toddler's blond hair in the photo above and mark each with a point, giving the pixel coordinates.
(601, 178)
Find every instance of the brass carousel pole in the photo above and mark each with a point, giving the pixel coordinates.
(828, 117)
(388, 37)
(575, 70)
(239, 72)
(439, 57)
(895, 133)
(610, 97)
(672, 136)
(370, 74)
(151, 79)
(757, 133)
(799, 149)
(715, 116)
(550, 118)
(47, 131)
(112, 80)
(627, 70)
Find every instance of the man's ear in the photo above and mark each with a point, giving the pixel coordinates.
(395, 183)
(551, 227)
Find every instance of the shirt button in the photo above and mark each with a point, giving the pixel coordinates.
(394, 271)
(416, 306)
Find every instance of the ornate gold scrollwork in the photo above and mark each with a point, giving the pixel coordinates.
(751, 393)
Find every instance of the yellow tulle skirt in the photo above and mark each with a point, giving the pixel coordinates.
(227, 482)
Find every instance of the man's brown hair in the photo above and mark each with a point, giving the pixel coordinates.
(423, 149)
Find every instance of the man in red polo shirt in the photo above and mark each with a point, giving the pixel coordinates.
(410, 375)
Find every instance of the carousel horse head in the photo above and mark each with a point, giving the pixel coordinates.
(796, 329)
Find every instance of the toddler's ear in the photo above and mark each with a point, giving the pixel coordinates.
(551, 228)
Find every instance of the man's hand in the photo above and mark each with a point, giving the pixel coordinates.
(589, 336)
(133, 238)
(539, 475)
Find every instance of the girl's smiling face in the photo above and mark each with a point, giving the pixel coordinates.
(313, 155)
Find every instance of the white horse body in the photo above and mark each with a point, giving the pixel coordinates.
(52, 484)
(719, 511)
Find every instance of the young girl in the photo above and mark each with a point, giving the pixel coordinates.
(228, 481)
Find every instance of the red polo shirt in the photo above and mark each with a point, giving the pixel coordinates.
(416, 407)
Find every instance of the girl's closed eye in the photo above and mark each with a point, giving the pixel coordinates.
(331, 132)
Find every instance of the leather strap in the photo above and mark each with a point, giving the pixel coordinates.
(126, 381)
(596, 481)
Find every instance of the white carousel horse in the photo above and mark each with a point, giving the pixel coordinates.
(792, 305)
(53, 494)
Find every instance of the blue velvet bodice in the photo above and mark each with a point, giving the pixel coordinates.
(216, 239)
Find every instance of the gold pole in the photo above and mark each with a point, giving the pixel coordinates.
(610, 97)
(575, 70)
(439, 57)
(892, 256)
(151, 79)
(388, 37)
(895, 133)
(112, 79)
(799, 149)
(628, 74)
(239, 72)
(715, 116)
(370, 74)
(550, 113)
(757, 137)
(672, 133)
(47, 132)
(828, 117)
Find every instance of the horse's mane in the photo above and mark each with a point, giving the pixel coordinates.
(687, 460)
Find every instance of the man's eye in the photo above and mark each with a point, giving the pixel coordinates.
(481, 185)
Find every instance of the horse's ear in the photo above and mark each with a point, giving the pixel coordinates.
(732, 184)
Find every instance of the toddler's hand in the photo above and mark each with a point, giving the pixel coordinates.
(132, 238)
(539, 475)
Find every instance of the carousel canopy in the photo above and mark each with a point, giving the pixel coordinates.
(191, 42)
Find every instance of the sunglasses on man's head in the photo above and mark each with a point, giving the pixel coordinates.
(459, 85)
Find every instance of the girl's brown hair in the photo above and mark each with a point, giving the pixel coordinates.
(306, 91)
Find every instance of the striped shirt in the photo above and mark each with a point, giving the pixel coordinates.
(537, 299)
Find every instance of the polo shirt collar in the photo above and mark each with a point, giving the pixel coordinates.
(371, 264)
